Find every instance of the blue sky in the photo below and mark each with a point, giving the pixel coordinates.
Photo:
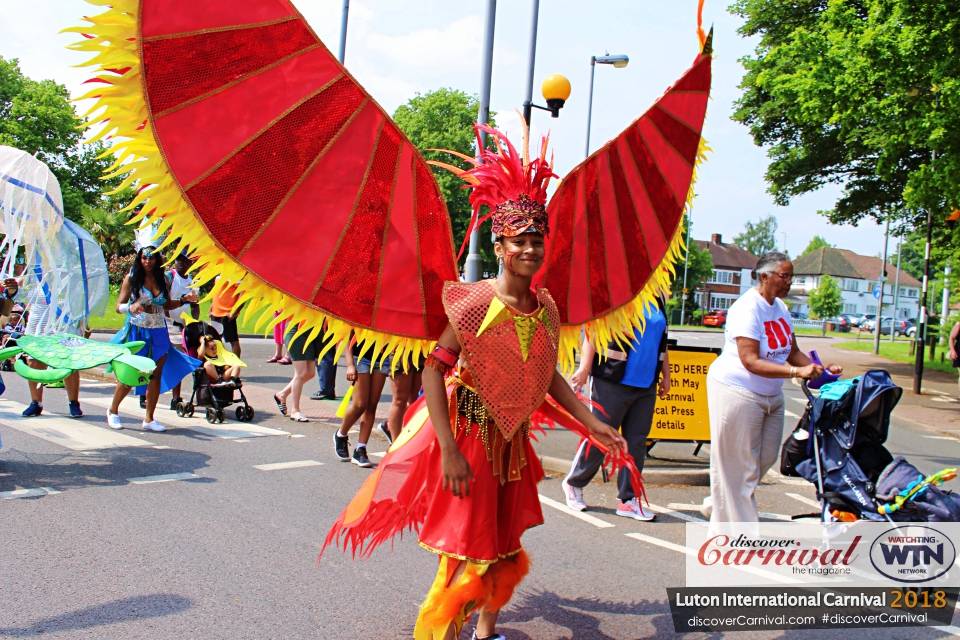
(399, 47)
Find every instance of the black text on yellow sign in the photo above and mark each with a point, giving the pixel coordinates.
(683, 415)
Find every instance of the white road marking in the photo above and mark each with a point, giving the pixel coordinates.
(673, 513)
(376, 454)
(805, 500)
(78, 435)
(27, 493)
(275, 466)
(92, 384)
(297, 435)
(683, 506)
(681, 549)
(940, 438)
(559, 506)
(802, 401)
(168, 477)
(790, 414)
(239, 440)
(943, 399)
(198, 423)
(160, 446)
(774, 516)
(776, 476)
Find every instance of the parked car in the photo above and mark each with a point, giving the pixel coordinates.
(900, 327)
(871, 324)
(798, 315)
(852, 321)
(715, 318)
(840, 323)
(911, 327)
(866, 318)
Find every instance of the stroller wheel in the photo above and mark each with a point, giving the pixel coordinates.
(220, 415)
(249, 411)
(244, 413)
(212, 416)
(241, 414)
(188, 409)
(180, 411)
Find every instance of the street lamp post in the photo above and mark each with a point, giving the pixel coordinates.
(686, 265)
(922, 325)
(896, 285)
(343, 31)
(471, 269)
(881, 281)
(618, 62)
(528, 103)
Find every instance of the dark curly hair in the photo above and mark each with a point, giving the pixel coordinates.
(138, 275)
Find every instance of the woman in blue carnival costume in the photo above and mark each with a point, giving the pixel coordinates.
(143, 297)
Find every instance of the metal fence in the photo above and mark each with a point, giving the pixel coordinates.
(808, 324)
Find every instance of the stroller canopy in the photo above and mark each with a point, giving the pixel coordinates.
(874, 399)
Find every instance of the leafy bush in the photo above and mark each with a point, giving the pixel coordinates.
(119, 267)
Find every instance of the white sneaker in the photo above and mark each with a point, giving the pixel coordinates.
(574, 496)
(153, 425)
(113, 421)
(706, 509)
(633, 509)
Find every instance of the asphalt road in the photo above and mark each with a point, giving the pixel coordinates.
(180, 535)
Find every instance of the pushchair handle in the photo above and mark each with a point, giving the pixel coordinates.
(806, 389)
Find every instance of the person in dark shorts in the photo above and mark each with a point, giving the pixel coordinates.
(223, 314)
(405, 389)
(368, 373)
(304, 353)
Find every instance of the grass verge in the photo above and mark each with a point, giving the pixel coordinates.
(899, 351)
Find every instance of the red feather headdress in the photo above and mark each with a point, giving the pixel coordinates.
(512, 185)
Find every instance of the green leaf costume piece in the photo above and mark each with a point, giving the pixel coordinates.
(65, 354)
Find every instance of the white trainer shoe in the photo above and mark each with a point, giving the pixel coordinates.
(113, 421)
(706, 509)
(633, 509)
(574, 496)
(153, 425)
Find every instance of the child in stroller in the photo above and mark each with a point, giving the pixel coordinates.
(217, 380)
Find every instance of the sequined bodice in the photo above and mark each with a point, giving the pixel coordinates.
(152, 315)
(511, 357)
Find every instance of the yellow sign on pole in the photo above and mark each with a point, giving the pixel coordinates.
(683, 414)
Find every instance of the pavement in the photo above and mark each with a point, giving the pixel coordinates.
(213, 531)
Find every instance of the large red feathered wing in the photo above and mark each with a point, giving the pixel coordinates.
(290, 166)
(615, 218)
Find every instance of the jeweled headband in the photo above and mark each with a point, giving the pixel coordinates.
(523, 215)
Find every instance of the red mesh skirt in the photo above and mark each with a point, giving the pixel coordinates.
(486, 525)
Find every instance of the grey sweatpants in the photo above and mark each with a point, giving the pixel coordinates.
(630, 409)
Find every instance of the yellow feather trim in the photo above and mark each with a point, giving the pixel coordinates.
(121, 112)
(620, 324)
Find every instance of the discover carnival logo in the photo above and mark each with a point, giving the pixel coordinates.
(912, 554)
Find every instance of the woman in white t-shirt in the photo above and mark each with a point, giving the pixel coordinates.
(744, 390)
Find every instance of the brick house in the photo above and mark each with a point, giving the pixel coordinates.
(731, 274)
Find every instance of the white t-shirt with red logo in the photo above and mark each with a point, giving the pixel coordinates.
(752, 317)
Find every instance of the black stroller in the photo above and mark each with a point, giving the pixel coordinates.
(838, 446)
(214, 399)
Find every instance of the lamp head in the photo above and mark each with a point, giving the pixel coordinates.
(952, 219)
(556, 90)
(618, 61)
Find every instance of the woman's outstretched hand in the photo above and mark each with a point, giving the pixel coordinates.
(456, 473)
(608, 437)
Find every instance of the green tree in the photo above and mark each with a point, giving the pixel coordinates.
(444, 119)
(857, 93)
(817, 242)
(826, 300)
(699, 266)
(108, 225)
(37, 117)
(758, 238)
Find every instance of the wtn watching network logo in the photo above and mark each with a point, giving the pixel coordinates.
(912, 554)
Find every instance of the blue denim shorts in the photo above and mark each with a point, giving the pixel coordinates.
(366, 364)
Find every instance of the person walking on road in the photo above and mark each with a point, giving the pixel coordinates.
(304, 352)
(181, 283)
(745, 391)
(624, 391)
(326, 374)
(279, 341)
(368, 373)
(144, 295)
(405, 388)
